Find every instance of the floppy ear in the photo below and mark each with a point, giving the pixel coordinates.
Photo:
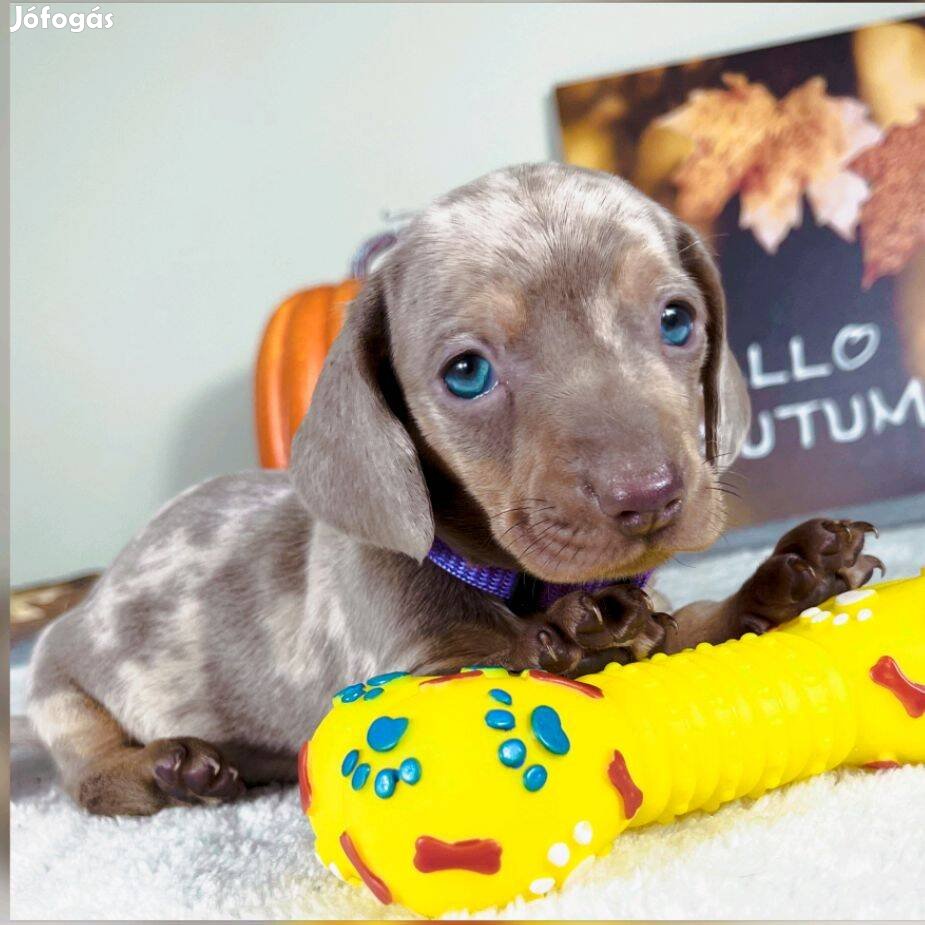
(353, 463)
(726, 405)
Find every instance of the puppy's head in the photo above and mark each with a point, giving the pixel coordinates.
(540, 374)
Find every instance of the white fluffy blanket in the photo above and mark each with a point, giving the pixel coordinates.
(849, 844)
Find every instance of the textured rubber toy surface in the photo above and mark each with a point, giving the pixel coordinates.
(471, 791)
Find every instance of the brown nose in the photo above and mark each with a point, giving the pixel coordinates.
(644, 504)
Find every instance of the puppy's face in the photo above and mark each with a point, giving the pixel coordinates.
(551, 343)
(555, 341)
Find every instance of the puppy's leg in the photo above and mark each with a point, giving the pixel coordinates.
(812, 562)
(108, 774)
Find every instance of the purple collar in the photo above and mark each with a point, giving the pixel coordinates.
(502, 582)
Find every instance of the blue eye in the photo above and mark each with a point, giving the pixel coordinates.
(677, 324)
(469, 375)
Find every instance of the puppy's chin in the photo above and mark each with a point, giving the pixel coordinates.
(615, 556)
(587, 567)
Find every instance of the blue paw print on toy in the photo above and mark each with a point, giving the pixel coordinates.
(383, 735)
(499, 719)
(410, 770)
(373, 688)
(360, 776)
(349, 762)
(546, 726)
(512, 753)
(351, 692)
(385, 783)
(534, 777)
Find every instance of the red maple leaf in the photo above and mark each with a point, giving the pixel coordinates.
(893, 218)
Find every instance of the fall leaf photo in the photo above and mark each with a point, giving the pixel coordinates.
(804, 166)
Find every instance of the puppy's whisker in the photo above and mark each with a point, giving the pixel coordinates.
(677, 561)
(566, 543)
(703, 237)
(712, 461)
(724, 490)
(539, 536)
(524, 503)
(551, 551)
(732, 473)
(520, 523)
(523, 521)
(513, 510)
(525, 510)
(542, 550)
(741, 480)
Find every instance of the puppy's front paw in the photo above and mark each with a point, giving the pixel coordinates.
(615, 624)
(813, 562)
(188, 770)
(630, 622)
(544, 644)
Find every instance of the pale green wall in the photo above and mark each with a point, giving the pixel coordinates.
(177, 174)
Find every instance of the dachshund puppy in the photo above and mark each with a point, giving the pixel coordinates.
(528, 409)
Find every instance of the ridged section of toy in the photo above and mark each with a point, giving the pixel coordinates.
(876, 638)
(718, 723)
(833, 687)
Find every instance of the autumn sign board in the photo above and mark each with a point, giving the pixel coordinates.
(804, 167)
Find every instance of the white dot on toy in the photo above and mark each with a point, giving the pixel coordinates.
(583, 833)
(559, 854)
(852, 597)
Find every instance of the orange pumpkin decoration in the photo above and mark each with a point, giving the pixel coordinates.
(292, 351)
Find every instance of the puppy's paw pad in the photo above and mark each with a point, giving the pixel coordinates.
(627, 614)
(651, 638)
(813, 562)
(829, 546)
(579, 620)
(795, 578)
(542, 644)
(615, 623)
(189, 770)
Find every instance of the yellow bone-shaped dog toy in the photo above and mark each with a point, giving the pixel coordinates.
(467, 791)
